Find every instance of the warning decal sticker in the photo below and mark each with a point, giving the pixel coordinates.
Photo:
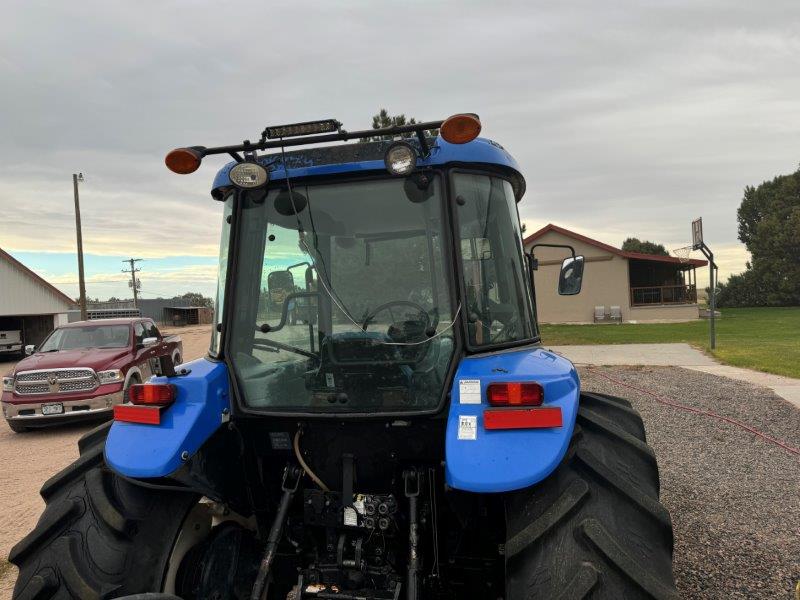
(467, 427)
(469, 391)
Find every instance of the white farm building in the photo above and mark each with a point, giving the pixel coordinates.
(28, 303)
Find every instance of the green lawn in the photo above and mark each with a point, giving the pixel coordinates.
(766, 339)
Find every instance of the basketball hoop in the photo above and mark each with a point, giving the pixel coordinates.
(683, 253)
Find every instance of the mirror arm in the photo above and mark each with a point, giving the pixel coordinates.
(570, 248)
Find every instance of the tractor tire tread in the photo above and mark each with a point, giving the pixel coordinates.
(102, 504)
(99, 536)
(606, 545)
(41, 586)
(595, 527)
(54, 520)
(76, 470)
(569, 499)
(593, 419)
(93, 437)
(624, 415)
(581, 585)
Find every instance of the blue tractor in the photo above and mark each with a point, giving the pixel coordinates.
(408, 437)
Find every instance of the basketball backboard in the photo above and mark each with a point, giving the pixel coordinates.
(697, 233)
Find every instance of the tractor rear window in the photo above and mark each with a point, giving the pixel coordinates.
(342, 299)
(498, 302)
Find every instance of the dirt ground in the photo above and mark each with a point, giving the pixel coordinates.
(734, 497)
(29, 459)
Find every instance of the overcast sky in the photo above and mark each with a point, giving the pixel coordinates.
(627, 118)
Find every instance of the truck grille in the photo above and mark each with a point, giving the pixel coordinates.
(53, 381)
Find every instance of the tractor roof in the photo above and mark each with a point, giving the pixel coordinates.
(368, 157)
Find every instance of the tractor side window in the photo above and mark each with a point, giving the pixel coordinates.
(222, 272)
(498, 303)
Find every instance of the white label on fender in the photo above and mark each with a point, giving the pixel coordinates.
(469, 391)
(467, 427)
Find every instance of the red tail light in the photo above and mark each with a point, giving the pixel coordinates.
(152, 394)
(515, 394)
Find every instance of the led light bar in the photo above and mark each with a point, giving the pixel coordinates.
(298, 129)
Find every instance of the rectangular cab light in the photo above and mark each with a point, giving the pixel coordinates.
(148, 415)
(307, 128)
(522, 418)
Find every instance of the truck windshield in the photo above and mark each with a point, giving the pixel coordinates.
(101, 336)
(341, 300)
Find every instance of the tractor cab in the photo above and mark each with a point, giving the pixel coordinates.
(408, 254)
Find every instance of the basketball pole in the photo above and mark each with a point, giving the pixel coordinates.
(712, 270)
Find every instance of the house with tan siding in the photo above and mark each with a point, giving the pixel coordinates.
(640, 287)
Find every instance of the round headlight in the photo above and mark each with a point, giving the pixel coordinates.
(400, 159)
(249, 175)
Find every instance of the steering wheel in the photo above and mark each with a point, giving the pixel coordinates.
(388, 305)
(508, 330)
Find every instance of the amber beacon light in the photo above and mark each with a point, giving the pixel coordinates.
(184, 160)
(460, 129)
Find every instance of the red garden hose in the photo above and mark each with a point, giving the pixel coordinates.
(708, 413)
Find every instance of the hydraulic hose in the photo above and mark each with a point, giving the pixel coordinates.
(305, 466)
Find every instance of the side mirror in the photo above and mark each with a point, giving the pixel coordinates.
(30, 349)
(571, 277)
(149, 341)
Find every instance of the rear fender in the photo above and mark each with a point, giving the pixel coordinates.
(508, 459)
(202, 405)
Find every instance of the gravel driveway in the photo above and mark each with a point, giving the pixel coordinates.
(734, 497)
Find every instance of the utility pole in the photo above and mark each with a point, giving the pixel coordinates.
(78, 178)
(134, 282)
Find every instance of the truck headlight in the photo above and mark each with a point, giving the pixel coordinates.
(112, 376)
(8, 384)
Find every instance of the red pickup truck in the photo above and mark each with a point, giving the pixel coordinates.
(81, 370)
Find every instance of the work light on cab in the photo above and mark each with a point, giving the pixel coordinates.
(400, 158)
(184, 160)
(249, 175)
(460, 129)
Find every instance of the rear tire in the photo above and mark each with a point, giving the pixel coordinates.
(594, 528)
(99, 536)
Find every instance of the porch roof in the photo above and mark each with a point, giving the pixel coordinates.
(691, 262)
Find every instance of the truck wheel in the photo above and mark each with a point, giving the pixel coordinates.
(593, 528)
(99, 536)
(17, 427)
(133, 379)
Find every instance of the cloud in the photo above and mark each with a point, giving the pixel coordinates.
(627, 118)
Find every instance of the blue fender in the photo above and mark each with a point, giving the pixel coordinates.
(502, 460)
(201, 407)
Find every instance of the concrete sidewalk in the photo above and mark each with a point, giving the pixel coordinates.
(677, 355)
